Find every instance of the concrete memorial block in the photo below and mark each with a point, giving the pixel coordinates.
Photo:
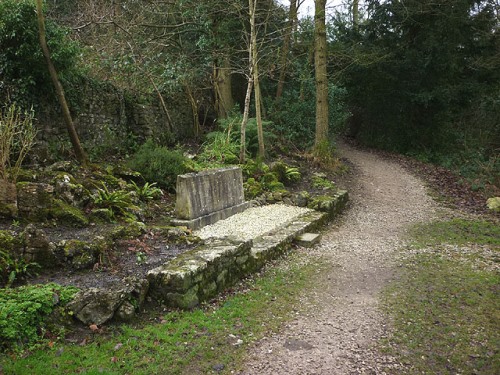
(209, 196)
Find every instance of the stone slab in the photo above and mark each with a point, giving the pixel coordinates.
(308, 239)
(204, 193)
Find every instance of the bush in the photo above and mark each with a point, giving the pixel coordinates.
(17, 136)
(295, 118)
(25, 77)
(222, 146)
(158, 164)
(23, 311)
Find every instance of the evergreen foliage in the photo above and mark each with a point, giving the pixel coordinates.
(158, 164)
(424, 78)
(24, 77)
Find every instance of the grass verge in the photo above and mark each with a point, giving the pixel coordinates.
(445, 305)
(206, 340)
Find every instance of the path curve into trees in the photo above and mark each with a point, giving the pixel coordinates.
(338, 333)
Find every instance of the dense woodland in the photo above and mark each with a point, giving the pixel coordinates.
(418, 77)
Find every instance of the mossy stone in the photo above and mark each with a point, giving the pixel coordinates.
(80, 254)
(252, 188)
(101, 215)
(131, 230)
(68, 214)
(186, 300)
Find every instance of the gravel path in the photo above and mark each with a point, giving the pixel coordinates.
(338, 334)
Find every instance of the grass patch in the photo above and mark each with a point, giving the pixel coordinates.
(180, 342)
(446, 311)
(457, 232)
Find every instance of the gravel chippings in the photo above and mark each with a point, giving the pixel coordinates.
(339, 332)
(252, 222)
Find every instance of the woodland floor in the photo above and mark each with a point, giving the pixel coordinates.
(343, 323)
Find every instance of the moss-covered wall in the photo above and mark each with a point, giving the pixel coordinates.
(105, 114)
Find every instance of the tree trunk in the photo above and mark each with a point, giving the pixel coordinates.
(246, 110)
(292, 15)
(254, 62)
(73, 136)
(320, 74)
(355, 14)
(223, 91)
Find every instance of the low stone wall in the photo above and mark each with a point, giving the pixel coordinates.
(199, 274)
(206, 197)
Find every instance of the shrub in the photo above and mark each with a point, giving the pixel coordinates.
(24, 73)
(147, 191)
(294, 115)
(158, 164)
(219, 149)
(23, 311)
(17, 136)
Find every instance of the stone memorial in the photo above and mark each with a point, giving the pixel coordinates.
(206, 197)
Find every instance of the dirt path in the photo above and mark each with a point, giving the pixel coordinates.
(338, 334)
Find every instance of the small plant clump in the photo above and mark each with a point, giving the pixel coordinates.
(321, 182)
(118, 201)
(13, 268)
(147, 192)
(23, 312)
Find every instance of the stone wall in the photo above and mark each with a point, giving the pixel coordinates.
(104, 114)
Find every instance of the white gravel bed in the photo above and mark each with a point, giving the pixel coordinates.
(252, 222)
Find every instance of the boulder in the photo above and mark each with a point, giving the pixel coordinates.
(34, 200)
(8, 199)
(37, 247)
(95, 306)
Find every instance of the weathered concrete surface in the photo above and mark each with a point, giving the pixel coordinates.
(206, 197)
(308, 239)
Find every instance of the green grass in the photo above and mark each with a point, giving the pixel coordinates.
(446, 309)
(457, 232)
(183, 342)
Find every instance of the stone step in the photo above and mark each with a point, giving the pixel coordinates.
(308, 239)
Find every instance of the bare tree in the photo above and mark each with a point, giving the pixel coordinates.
(80, 154)
(320, 73)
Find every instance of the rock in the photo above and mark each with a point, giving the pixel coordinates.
(61, 166)
(127, 174)
(8, 199)
(101, 215)
(96, 306)
(137, 289)
(331, 204)
(80, 254)
(494, 204)
(70, 191)
(125, 312)
(131, 230)
(67, 214)
(308, 239)
(34, 200)
(37, 248)
(218, 367)
(301, 199)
